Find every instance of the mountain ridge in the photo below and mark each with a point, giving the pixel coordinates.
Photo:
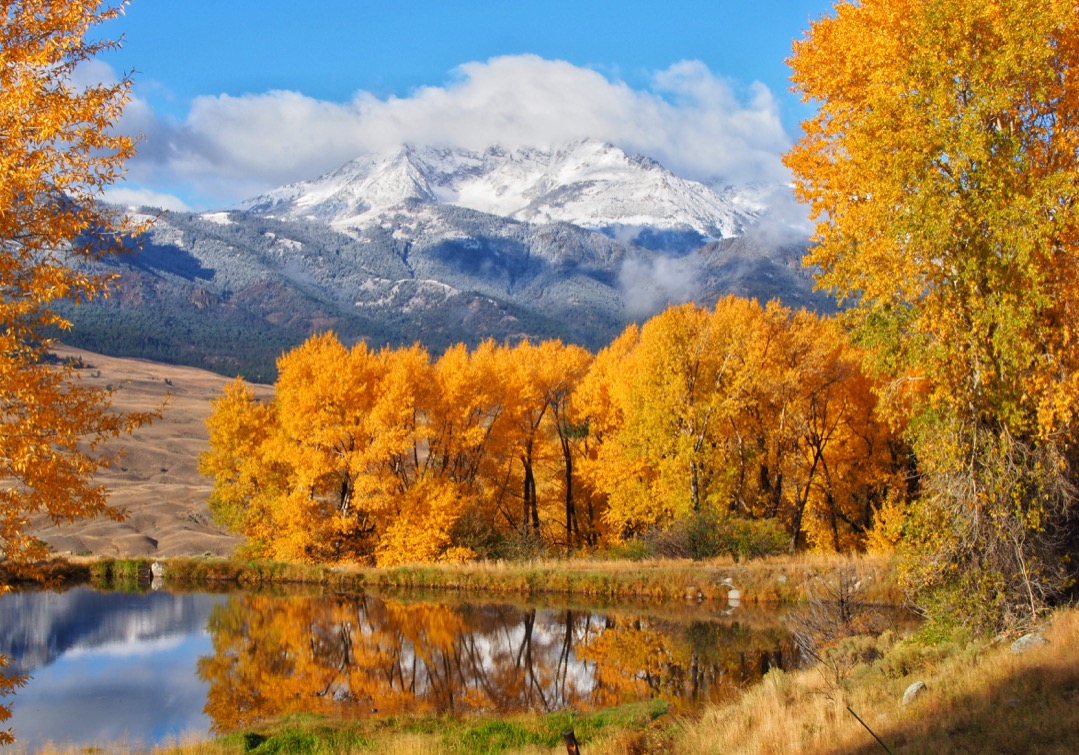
(392, 249)
(589, 184)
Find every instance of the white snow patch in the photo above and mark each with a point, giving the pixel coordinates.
(221, 218)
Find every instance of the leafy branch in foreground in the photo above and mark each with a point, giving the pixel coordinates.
(59, 151)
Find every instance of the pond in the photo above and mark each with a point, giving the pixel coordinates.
(142, 668)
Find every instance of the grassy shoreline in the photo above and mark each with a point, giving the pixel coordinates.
(777, 580)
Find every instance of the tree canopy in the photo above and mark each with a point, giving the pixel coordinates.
(943, 170)
(720, 419)
(58, 150)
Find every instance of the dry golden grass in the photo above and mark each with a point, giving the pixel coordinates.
(780, 579)
(980, 698)
(156, 480)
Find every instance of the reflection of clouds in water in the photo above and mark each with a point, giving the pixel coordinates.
(143, 691)
(39, 627)
(127, 648)
(102, 696)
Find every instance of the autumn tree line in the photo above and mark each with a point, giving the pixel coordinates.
(718, 418)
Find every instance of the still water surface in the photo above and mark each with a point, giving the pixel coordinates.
(141, 668)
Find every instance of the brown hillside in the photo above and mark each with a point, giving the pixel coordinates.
(156, 480)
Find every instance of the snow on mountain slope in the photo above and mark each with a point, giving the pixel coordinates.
(589, 184)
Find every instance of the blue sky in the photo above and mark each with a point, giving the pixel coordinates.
(234, 98)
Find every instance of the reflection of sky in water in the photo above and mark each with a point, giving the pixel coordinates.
(135, 693)
(105, 668)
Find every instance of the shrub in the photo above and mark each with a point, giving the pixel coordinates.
(703, 535)
(752, 538)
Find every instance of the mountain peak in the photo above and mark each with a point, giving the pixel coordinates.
(587, 183)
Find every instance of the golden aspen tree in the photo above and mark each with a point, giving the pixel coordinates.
(515, 445)
(563, 367)
(525, 416)
(321, 402)
(58, 151)
(943, 170)
(679, 386)
(419, 505)
(247, 477)
(599, 398)
(348, 421)
(761, 435)
(463, 413)
(842, 465)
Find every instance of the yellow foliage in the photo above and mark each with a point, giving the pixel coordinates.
(943, 170)
(744, 410)
(887, 530)
(58, 151)
(420, 532)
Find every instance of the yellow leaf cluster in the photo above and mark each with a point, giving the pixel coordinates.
(943, 169)
(58, 150)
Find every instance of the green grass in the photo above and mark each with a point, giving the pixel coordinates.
(522, 733)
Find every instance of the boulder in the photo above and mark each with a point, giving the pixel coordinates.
(913, 692)
(1027, 642)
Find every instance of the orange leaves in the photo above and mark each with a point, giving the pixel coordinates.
(379, 455)
(943, 171)
(58, 150)
(745, 410)
(421, 530)
(389, 457)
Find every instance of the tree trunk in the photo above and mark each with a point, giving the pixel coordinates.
(572, 529)
(694, 486)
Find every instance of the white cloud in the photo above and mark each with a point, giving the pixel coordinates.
(650, 284)
(142, 197)
(694, 122)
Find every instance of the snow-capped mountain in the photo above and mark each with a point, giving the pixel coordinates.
(445, 246)
(588, 184)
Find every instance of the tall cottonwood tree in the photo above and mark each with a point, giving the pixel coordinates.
(58, 151)
(943, 169)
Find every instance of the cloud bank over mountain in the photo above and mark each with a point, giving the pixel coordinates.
(228, 148)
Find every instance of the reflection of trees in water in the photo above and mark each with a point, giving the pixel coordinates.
(360, 654)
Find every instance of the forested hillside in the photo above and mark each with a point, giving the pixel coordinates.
(231, 291)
